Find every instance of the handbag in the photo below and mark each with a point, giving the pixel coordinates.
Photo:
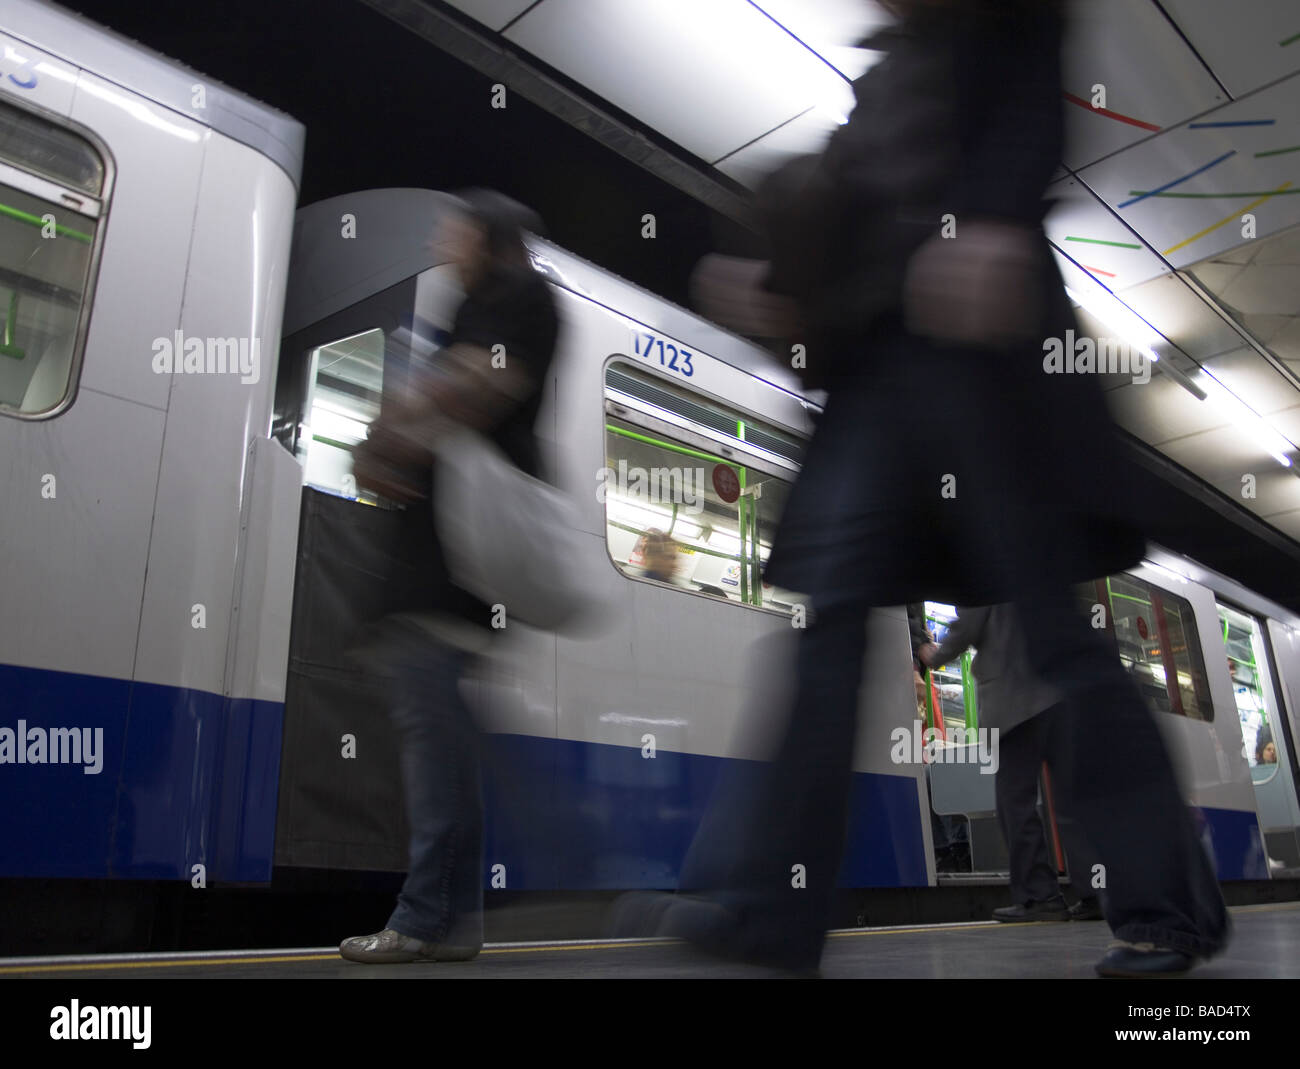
(509, 539)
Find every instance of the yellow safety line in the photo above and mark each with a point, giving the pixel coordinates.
(844, 934)
(922, 928)
(1226, 219)
(179, 962)
(164, 964)
(577, 946)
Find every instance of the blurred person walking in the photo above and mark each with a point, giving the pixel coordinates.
(909, 260)
(422, 653)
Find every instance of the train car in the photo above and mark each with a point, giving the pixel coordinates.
(144, 245)
(188, 556)
(640, 387)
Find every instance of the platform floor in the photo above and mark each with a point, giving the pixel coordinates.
(1265, 945)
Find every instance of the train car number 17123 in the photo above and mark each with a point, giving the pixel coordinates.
(670, 357)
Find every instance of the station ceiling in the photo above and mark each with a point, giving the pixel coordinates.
(1177, 218)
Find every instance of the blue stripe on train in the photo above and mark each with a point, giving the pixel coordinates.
(568, 815)
(190, 777)
(178, 766)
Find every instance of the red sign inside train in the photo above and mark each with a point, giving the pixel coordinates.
(726, 483)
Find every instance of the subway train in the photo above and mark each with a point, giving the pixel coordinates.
(186, 366)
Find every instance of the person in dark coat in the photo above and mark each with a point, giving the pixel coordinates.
(910, 261)
(424, 646)
(1011, 698)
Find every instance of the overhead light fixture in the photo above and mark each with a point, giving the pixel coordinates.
(1131, 328)
(1183, 381)
(1247, 419)
(1118, 317)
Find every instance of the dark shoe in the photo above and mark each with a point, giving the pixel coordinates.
(1143, 959)
(709, 927)
(1086, 909)
(1054, 909)
(391, 948)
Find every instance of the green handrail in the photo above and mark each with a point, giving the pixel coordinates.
(37, 221)
(968, 694)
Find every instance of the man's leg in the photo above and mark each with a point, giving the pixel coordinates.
(1116, 779)
(1033, 876)
(769, 850)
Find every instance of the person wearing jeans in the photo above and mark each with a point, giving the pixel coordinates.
(422, 649)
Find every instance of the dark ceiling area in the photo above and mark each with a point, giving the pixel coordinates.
(384, 108)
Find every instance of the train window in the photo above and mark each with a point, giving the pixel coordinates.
(51, 212)
(954, 695)
(1245, 647)
(345, 384)
(1160, 647)
(690, 500)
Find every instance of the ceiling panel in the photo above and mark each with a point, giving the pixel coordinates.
(1089, 233)
(805, 134)
(1160, 410)
(1253, 379)
(1186, 190)
(1165, 170)
(1222, 457)
(1247, 43)
(832, 27)
(1150, 77)
(1183, 317)
(1287, 422)
(712, 75)
(1286, 342)
(1260, 290)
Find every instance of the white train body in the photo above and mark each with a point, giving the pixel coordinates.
(151, 533)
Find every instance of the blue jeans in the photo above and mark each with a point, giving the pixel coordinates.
(442, 898)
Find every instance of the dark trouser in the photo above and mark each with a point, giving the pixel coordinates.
(1110, 764)
(1021, 752)
(442, 898)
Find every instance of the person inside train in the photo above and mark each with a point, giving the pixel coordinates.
(423, 652)
(1265, 749)
(1011, 699)
(950, 833)
(659, 556)
(909, 264)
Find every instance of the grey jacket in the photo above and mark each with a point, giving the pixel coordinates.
(1009, 692)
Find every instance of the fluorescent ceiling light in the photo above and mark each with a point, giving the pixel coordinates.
(636, 514)
(788, 68)
(1247, 419)
(1118, 317)
(725, 542)
(336, 426)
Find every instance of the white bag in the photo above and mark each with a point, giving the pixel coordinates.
(509, 539)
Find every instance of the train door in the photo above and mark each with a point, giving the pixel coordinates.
(1266, 740)
(353, 559)
(963, 820)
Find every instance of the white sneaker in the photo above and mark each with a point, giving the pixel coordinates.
(390, 948)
